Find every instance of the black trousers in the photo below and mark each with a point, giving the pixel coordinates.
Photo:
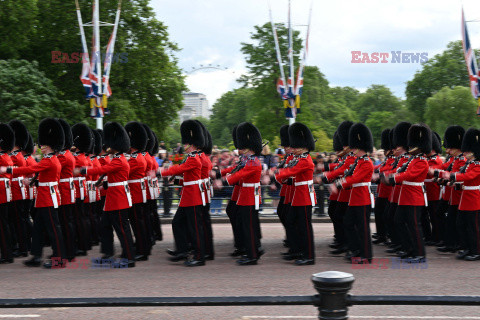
(331, 212)
(18, 225)
(442, 218)
(338, 218)
(81, 229)
(5, 237)
(300, 218)
(92, 219)
(167, 200)
(46, 220)
(117, 220)
(432, 211)
(208, 232)
(380, 205)
(390, 223)
(148, 223)
(281, 211)
(426, 224)
(187, 224)
(248, 222)
(468, 227)
(408, 220)
(451, 236)
(156, 224)
(67, 224)
(136, 217)
(357, 230)
(231, 211)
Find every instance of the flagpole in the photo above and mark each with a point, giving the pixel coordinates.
(82, 34)
(98, 56)
(277, 46)
(110, 51)
(291, 79)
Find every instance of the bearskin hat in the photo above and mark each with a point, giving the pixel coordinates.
(204, 132)
(192, 133)
(82, 137)
(234, 136)
(7, 137)
(21, 133)
(343, 130)
(150, 141)
(337, 143)
(386, 143)
(284, 141)
(209, 145)
(30, 147)
(300, 136)
(360, 137)
(137, 134)
(436, 143)
(97, 137)
(420, 136)
(50, 133)
(116, 137)
(400, 135)
(102, 135)
(154, 150)
(453, 137)
(67, 131)
(248, 137)
(471, 142)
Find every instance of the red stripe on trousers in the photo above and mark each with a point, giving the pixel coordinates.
(124, 235)
(55, 232)
(310, 255)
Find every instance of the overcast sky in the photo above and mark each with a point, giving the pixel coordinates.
(210, 32)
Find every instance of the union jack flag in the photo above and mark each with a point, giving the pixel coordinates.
(85, 77)
(471, 61)
(281, 89)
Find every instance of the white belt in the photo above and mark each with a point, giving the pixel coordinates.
(200, 185)
(72, 188)
(156, 188)
(80, 184)
(429, 180)
(366, 184)
(471, 187)
(257, 192)
(53, 192)
(92, 191)
(8, 188)
(125, 186)
(22, 186)
(442, 191)
(311, 190)
(418, 184)
(208, 187)
(143, 187)
(150, 188)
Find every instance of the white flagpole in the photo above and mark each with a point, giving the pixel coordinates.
(114, 37)
(305, 52)
(98, 55)
(82, 34)
(290, 56)
(277, 48)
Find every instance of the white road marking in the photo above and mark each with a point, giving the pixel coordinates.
(19, 316)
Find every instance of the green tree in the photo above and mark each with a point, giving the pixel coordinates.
(323, 143)
(376, 98)
(445, 69)
(451, 107)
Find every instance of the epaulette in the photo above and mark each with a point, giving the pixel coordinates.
(192, 154)
(303, 155)
(118, 155)
(134, 155)
(14, 153)
(48, 156)
(62, 152)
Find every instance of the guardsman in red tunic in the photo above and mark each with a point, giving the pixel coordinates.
(299, 217)
(118, 199)
(343, 196)
(7, 142)
(204, 153)
(95, 192)
(358, 178)
(187, 223)
(468, 218)
(383, 190)
(17, 213)
(82, 143)
(400, 147)
(138, 188)
(103, 160)
(157, 223)
(453, 143)
(31, 193)
(413, 196)
(249, 141)
(67, 192)
(433, 195)
(232, 208)
(51, 140)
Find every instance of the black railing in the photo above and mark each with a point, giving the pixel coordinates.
(332, 299)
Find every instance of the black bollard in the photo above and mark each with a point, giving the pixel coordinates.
(333, 287)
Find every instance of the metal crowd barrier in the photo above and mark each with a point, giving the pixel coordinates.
(332, 299)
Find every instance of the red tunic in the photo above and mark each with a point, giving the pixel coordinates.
(416, 172)
(148, 160)
(283, 190)
(79, 180)
(191, 170)
(136, 177)
(117, 173)
(433, 188)
(384, 190)
(103, 160)
(470, 175)
(447, 190)
(458, 162)
(303, 187)
(205, 175)
(339, 171)
(236, 188)
(5, 183)
(249, 180)
(96, 164)
(361, 174)
(31, 192)
(19, 191)
(395, 193)
(67, 161)
(49, 169)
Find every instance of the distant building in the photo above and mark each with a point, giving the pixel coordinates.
(195, 105)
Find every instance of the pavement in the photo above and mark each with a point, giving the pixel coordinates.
(442, 275)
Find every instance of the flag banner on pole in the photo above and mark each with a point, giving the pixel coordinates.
(471, 61)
